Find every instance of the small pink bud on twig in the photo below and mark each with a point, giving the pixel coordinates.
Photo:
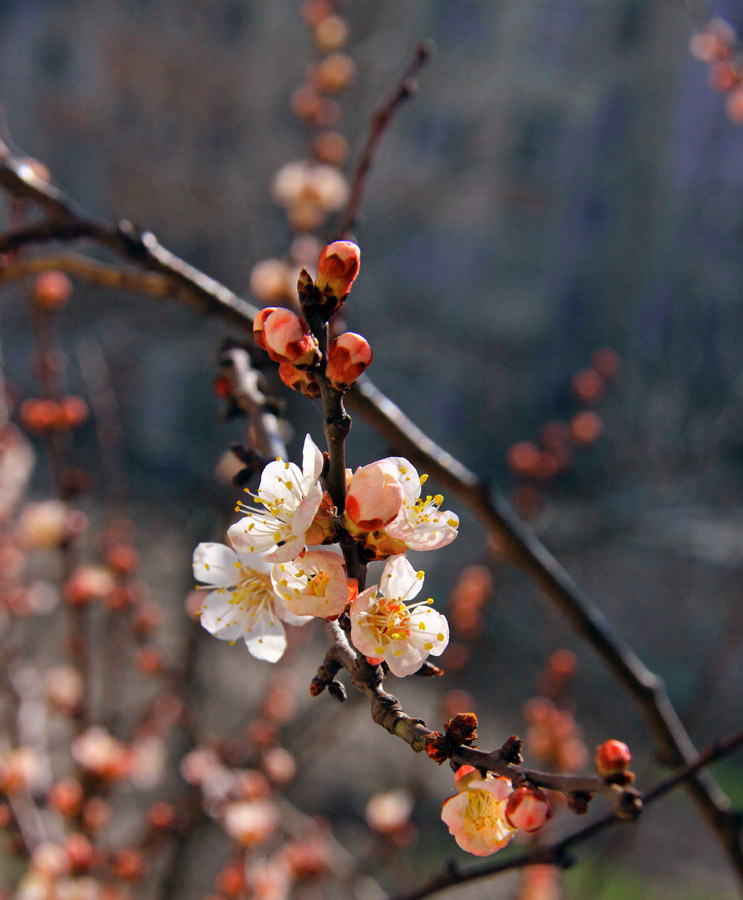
(337, 269)
(612, 758)
(528, 809)
(286, 337)
(348, 356)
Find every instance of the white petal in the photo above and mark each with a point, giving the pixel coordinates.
(407, 661)
(255, 562)
(220, 617)
(307, 509)
(399, 579)
(287, 551)
(408, 476)
(267, 640)
(215, 564)
(273, 483)
(312, 463)
(258, 539)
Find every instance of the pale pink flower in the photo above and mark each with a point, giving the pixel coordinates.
(290, 497)
(421, 524)
(375, 495)
(241, 602)
(389, 812)
(477, 815)
(314, 584)
(250, 822)
(384, 626)
(99, 753)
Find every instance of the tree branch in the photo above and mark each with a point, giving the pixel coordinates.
(211, 297)
(380, 121)
(557, 854)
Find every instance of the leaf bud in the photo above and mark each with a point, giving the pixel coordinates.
(437, 747)
(462, 728)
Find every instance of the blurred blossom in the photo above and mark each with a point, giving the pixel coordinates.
(250, 822)
(42, 526)
(20, 770)
(63, 688)
(279, 765)
(148, 762)
(389, 812)
(101, 754)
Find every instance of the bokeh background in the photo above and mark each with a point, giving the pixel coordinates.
(564, 180)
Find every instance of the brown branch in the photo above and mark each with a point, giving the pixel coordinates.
(90, 270)
(673, 742)
(379, 123)
(557, 854)
(211, 297)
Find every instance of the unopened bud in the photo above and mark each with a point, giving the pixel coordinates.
(337, 269)
(286, 337)
(612, 758)
(258, 324)
(528, 809)
(375, 495)
(299, 380)
(348, 355)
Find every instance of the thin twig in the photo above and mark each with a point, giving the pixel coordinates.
(558, 854)
(379, 123)
(211, 297)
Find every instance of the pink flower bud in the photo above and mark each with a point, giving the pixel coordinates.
(612, 758)
(299, 380)
(337, 269)
(528, 809)
(375, 495)
(286, 337)
(348, 355)
(258, 325)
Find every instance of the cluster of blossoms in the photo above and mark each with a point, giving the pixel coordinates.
(487, 812)
(272, 574)
(717, 44)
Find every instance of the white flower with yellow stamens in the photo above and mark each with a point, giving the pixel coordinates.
(290, 498)
(242, 602)
(384, 626)
(421, 523)
(314, 584)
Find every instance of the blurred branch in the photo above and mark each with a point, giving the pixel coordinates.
(379, 123)
(523, 546)
(557, 854)
(90, 270)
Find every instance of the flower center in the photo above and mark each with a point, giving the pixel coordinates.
(390, 619)
(482, 812)
(317, 584)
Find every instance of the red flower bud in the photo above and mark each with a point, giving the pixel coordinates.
(299, 380)
(337, 269)
(286, 337)
(528, 809)
(462, 727)
(612, 758)
(348, 355)
(258, 325)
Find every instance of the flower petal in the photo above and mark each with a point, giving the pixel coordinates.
(266, 640)
(215, 564)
